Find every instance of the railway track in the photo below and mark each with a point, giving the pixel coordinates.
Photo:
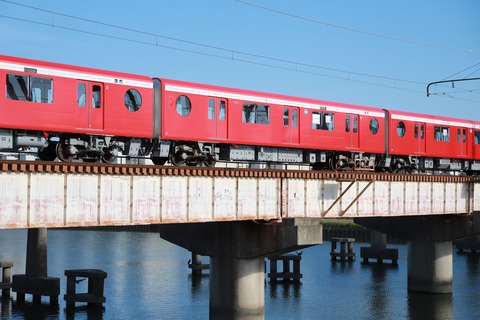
(130, 169)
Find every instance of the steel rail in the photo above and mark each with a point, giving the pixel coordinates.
(151, 170)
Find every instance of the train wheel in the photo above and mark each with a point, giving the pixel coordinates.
(177, 159)
(49, 153)
(210, 161)
(63, 154)
(110, 155)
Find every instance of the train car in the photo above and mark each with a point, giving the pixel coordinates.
(76, 113)
(243, 125)
(73, 112)
(427, 142)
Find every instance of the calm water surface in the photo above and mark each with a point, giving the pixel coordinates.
(148, 278)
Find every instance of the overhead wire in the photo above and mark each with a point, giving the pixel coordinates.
(470, 74)
(233, 54)
(453, 75)
(373, 34)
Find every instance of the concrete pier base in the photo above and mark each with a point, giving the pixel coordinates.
(235, 292)
(430, 266)
(378, 249)
(287, 273)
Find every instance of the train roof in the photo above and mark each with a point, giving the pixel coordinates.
(74, 72)
(433, 119)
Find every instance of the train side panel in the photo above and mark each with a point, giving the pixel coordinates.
(343, 128)
(194, 112)
(43, 96)
(430, 136)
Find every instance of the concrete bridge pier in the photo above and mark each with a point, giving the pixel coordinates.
(430, 263)
(237, 264)
(430, 266)
(36, 261)
(235, 292)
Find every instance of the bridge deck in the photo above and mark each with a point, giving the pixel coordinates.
(38, 194)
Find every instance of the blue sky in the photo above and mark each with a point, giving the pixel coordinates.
(374, 52)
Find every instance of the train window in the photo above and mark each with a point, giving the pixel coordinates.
(17, 87)
(211, 109)
(374, 126)
(401, 129)
(256, 113)
(132, 100)
(41, 90)
(28, 88)
(295, 118)
(347, 124)
(81, 94)
(441, 133)
(97, 96)
(477, 137)
(464, 135)
(285, 117)
(223, 110)
(459, 135)
(355, 124)
(323, 121)
(422, 131)
(183, 106)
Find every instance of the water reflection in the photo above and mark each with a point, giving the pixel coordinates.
(340, 267)
(473, 265)
(430, 306)
(379, 299)
(33, 311)
(198, 280)
(285, 290)
(85, 312)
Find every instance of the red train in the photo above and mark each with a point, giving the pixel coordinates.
(70, 113)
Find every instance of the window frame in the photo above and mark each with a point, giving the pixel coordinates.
(252, 114)
(28, 88)
(134, 104)
(401, 129)
(322, 119)
(441, 130)
(374, 126)
(185, 105)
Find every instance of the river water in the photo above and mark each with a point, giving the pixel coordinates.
(148, 278)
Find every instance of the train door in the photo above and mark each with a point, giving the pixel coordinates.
(290, 125)
(351, 131)
(461, 141)
(217, 118)
(476, 144)
(419, 136)
(90, 105)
